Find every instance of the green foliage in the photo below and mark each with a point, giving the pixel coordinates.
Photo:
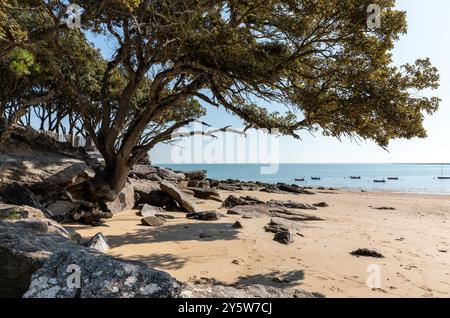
(317, 58)
(22, 62)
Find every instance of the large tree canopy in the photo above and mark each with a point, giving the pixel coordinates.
(316, 57)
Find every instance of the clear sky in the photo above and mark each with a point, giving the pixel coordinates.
(428, 36)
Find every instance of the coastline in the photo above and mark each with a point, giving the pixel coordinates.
(414, 238)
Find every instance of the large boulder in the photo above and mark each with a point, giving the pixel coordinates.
(98, 242)
(251, 291)
(124, 201)
(78, 273)
(26, 241)
(182, 199)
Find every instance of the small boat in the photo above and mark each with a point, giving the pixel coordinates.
(316, 178)
(379, 181)
(355, 178)
(393, 178)
(444, 178)
(300, 180)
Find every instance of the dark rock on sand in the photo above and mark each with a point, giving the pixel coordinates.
(182, 199)
(233, 201)
(292, 205)
(237, 225)
(205, 216)
(294, 189)
(207, 194)
(367, 253)
(152, 221)
(321, 205)
(284, 237)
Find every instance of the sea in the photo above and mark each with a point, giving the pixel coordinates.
(413, 178)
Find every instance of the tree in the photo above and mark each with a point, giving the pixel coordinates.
(316, 57)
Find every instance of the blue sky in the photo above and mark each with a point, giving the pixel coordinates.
(428, 36)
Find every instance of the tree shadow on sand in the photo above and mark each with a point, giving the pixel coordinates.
(177, 232)
(159, 261)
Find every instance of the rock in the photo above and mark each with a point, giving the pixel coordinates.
(385, 208)
(64, 165)
(153, 221)
(165, 216)
(277, 225)
(228, 187)
(367, 253)
(260, 210)
(321, 205)
(205, 216)
(193, 183)
(203, 184)
(292, 205)
(197, 175)
(252, 291)
(179, 197)
(17, 194)
(99, 243)
(156, 173)
(284, 237)
(294, 189)
(101, 276)
(143, 188)
(148, 210)
(233, 201)
(124, 201)
(237, 225)
(26, 241)
(72, 175)
(61, 207)
(14, 212)
(208, 194)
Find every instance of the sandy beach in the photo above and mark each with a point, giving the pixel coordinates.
(414, 238)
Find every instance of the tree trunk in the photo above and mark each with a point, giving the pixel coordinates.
(108, 183)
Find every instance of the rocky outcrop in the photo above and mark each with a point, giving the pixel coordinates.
(182, 199)
(252, 291)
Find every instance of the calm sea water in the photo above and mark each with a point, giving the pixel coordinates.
(417, 178)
